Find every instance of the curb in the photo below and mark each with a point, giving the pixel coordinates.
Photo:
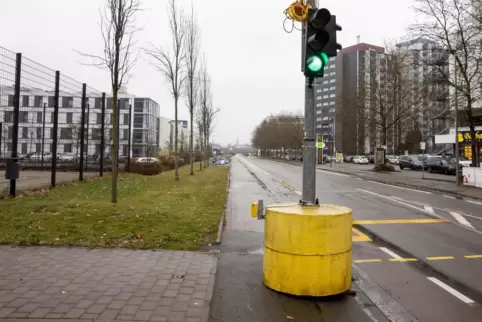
(222, 222)
(421, 263)
(457, 195)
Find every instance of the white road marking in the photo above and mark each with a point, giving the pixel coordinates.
(389, 185)
(429, 209)
(461, 219)
(252, 165)
(298, 192)
(335, 173)
(359, 178)
(452, 291)
(389, 252)
(451, 197)
(475, 202)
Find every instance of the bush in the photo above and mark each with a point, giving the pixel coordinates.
(383, 168)
(145, 168)
(166, 162)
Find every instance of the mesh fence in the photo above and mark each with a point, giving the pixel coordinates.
(52, 127)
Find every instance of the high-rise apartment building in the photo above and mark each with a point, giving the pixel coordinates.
(146, 127)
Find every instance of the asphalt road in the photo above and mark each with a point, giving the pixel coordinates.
(425, 266)
(239, 293)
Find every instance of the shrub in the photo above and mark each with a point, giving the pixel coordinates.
(145, 168)
(383, 168)
(166, 162)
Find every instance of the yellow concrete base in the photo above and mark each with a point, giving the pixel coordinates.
(307, 250)
(307, 275)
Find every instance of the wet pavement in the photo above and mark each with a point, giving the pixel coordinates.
(417, 254)
(239, 293)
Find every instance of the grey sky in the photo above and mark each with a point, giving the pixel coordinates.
(254, 64)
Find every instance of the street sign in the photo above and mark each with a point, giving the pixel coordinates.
(422, 145)
(320, 145)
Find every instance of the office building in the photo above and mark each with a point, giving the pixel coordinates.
(146, 127)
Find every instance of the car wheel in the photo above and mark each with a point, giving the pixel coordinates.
(401, 167)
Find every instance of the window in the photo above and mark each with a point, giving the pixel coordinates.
(11, 100)
(318, 97)
(325, 96)
(24, 148)
(67, 102)
(125, 150)
(51, 101)
(66, 133)
(138, 120)
(318, 90)
(96, 134)
(318, 104)
(325, 118)
(332, 80)
(332, 110)
(23, 117)
(38, 147)
(68, 148)
(332, 102)
(318, 111)
(8, 117)
(25, 100)
(69, 118)
(325, 89)
(24, 132)
(332, 95)
(325, 82)
(98, 103)
(125, 134)
(332, 66)
(325, 104)
(98, 118)
(10, 133)
(332, 88)
(332, 74)
(126, 119)
(318, 118)
(38, 101)
(39, 133)
(109, 103)
(318, 126)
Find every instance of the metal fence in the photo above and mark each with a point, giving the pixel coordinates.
(53, 128)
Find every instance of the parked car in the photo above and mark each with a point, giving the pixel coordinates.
(442, 165)
(66, 157)
(413, 162)
(359, 159)
(392, 159)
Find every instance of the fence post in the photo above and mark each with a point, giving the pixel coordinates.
(43, 134)
(129, 146)
(102, 137)
(118, 132)
(87, 138)
(82, 133)
(1, 131)
(16, 119)
(55, 134)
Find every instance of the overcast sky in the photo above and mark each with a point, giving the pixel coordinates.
(253, 62)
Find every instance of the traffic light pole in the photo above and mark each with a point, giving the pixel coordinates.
(309, 148)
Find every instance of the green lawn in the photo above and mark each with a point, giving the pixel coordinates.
(152, 212)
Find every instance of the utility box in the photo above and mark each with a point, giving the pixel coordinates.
(12, 169)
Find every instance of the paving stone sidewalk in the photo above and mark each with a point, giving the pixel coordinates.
(105, 284)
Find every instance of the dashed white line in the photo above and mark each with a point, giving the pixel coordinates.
(389, 185)
(389, 252)
(335, 173)
(461, 219)
(447, 196)
(428, 209)
(475, 202)
(452, 291)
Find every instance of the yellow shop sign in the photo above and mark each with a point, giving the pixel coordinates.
(465, 136)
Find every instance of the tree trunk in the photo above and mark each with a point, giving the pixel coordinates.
(191, 142)
(176, 156)
(115, 145)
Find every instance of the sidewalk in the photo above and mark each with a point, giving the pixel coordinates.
(104, 284)
(239, 293)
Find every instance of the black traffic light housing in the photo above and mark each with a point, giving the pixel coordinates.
(320, 41)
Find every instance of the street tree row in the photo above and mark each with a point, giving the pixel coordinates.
(284, 130)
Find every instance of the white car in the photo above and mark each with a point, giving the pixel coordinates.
(360, 160)
(147, 160)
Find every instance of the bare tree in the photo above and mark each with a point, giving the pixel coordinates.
(75, 128)
(456, 26)
(207, 110)
(117, 24)
(192, 83)
(200, 132)
(172, 66)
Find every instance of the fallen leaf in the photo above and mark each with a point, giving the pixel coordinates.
(289, 317)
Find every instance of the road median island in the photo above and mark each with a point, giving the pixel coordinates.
(153, 212)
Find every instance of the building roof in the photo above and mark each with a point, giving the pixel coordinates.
(363, 47)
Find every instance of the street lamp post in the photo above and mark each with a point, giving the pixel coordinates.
(457, 145)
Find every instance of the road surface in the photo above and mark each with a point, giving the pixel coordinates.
(417, 254)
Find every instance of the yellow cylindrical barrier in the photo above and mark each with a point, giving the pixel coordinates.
(307, 249)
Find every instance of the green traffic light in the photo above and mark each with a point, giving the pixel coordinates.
(314, 64)
(325, 58)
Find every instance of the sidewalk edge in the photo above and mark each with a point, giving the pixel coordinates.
(222, 221)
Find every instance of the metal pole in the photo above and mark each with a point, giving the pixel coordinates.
(102, 137)
(1, 130)
(16, 118)
(43, 134)
(309, 147)
(457, 147)
(82, 132)
(87, 139)
(129, 146)
(55, 131)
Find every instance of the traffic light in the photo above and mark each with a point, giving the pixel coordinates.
(320, 41)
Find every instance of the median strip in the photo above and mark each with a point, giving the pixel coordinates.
(401, 259)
